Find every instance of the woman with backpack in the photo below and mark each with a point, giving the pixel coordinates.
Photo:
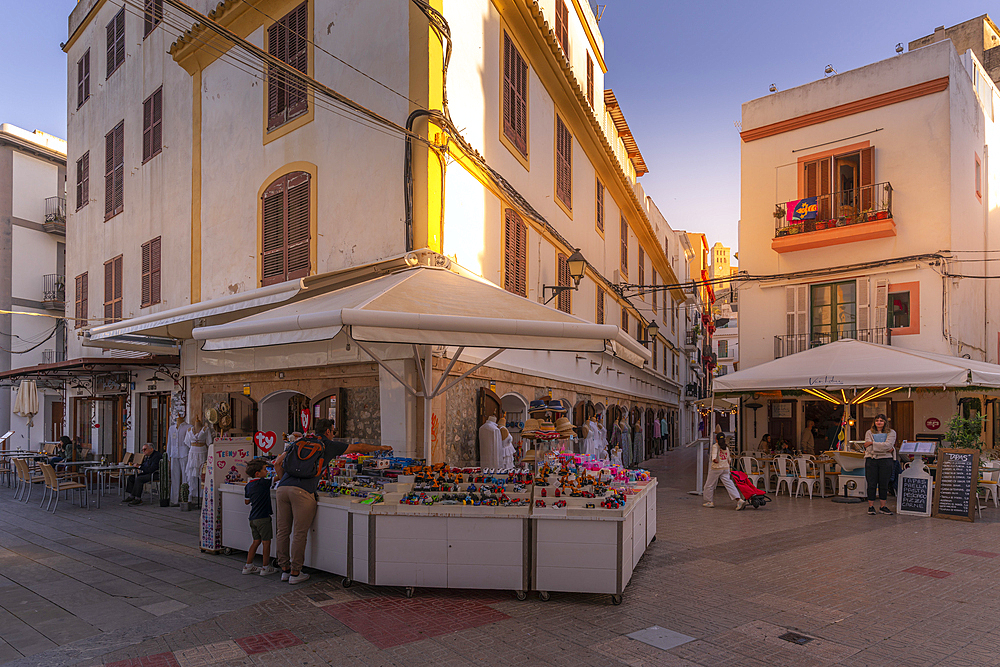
(298, 470)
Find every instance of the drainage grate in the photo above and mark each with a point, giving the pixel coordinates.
(795, 638)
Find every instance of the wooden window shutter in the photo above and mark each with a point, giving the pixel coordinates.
(145, 273)
(287, 40)
(562, 26)
(797, 317)
(863, 302)
(866, 179)
(83, 181)
(624, 247)
(114, 171)
(825, 200)
(83, 79)
(152, 125)
(564, 300)
(654, 354)
(599, 319)
(642, 266)
(600, 205)
(115, 33)
(515, 96)
(653, 292)
(110, 38)
(590, 80)
(624, 320)
(564, 164)
(154, 271)
(881, 315)
(109, 291)
(81, 301)
(810, 182)
(153, 14)
(286, 246)
(515, 253)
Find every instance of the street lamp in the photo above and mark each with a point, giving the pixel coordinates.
(576, 264)
(651, 330)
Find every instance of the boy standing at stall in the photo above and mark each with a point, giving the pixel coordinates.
(258, 496)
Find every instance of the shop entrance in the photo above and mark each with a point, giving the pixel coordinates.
(781, 423)
(280, 412)
(154, 420)
(99, 422)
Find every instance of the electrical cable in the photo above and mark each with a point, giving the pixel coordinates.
(37, 345)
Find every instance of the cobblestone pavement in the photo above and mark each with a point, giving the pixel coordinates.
(801, 582)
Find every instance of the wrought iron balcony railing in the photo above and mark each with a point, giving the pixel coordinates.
(867, 203)
(54, 291)
(55, 215)
(792, 343)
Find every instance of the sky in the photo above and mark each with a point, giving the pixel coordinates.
(680, 70)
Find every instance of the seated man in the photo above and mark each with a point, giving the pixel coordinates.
(150, 466)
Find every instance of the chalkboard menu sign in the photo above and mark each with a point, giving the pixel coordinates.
(914, 495)
(955, 492)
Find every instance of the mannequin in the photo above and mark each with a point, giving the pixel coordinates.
(490, 444)
(626, 443)
(616, 457)
(177, 451)
(602, 439)
(506, 447)
(197, 439)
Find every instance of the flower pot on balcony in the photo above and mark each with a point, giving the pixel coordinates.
(793, 230)
(882, 215)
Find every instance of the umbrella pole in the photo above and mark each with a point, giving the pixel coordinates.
(428, 383)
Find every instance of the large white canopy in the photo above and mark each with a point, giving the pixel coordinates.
(852, 363)
(423, 306)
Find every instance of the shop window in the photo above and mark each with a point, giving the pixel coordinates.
(515, 96)
(286, 228)
(903, 308)
(515, 255)
(287, 41)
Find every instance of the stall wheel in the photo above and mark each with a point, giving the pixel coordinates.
(346, 582)
(616, 599)
(521, 595)
(543, 596)
(227, 551)
(409, 591)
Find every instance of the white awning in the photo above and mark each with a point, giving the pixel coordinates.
(423, 306)
(852, 363)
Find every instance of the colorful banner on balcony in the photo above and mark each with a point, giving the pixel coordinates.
(802, 209)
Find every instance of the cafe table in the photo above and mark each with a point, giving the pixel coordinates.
(104, 474)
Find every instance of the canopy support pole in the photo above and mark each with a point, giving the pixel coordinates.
(427, 380)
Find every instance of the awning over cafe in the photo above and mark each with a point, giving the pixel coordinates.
(851, 363)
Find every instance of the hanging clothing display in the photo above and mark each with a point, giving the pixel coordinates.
(602, 444)
(656, 428)
(507, 451)
(591, 444)
(490, 444)
(177, 451)
(626, 445)
(638, 446)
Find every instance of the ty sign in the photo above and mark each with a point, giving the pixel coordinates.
(304, 418)
(265, 440)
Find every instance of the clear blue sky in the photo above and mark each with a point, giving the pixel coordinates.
(680, 69)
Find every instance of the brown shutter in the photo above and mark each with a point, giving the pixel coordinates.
(810, 183)
(297, 194)
(153, 14)
(120, 38)
(642, 266)
(298, 57)
(600, 306)
(273, 242)
(81, 301)
(515, 253)
(110, 37)
(867, 177)
(157, 140)
(624, 320)
(287, 40)
(515, 96)
(276, 97)
(109, 174)
(83, 180)
(825, 200)
(562, 26)
(624, 247)
(147, 128)
(654, 290)
(146, 269)
(590, 80)
(80, 97)
(119, 167)
(564, 163)
(109, 291)
(564, 300)
(600, 206)
(654, 353)
(86, 75)
(154, 270)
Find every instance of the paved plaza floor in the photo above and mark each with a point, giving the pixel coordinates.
(800, 583)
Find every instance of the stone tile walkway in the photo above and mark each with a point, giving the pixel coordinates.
(801, 582)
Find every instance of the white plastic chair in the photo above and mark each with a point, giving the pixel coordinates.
(808, 474)
(783, 471)
(988, 485)
(751, 466)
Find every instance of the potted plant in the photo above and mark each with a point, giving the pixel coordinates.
(966, 432)
(183, 495)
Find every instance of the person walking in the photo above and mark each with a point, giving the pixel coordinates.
(719, 469)
(880, 453)
(298, 470)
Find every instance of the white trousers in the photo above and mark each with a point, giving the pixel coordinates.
(177, 465)
(192, 475)
(713, 480)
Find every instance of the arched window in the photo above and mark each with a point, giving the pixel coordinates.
(285, 246)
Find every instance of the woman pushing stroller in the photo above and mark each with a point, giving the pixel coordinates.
(719, 468)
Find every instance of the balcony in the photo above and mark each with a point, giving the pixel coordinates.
(847, 216)
(792, 343)
(55, 215)
(54, 292)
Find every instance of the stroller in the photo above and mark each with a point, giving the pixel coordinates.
(754, 496)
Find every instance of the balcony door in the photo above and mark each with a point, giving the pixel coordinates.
(833, 312)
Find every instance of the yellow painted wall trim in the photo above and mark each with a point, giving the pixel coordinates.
(196, 187)
(526, 20)
(590, 36)
(312, 170)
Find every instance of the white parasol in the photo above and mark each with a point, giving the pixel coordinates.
(26, 404)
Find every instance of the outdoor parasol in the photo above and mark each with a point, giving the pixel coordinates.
(26, 404)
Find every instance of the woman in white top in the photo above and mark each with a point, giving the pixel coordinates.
(719, 469)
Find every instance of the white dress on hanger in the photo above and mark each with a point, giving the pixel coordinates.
(490, 445)
(507, 452)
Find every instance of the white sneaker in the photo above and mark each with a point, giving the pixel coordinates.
(285, 575)
(298, 578)
(709, 504)
(267, 569)
(740, 504)
(249, 568)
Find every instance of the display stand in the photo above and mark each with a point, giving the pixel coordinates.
(224, 457)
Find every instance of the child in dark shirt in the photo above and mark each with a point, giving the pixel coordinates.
(258, 496)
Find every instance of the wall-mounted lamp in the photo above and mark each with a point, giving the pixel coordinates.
(828, 70)
(773, 88)
(576, 264)
(651, 330)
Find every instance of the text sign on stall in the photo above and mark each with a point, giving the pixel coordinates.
(914, 496)
(955, 492)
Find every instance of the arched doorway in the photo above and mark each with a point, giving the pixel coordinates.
(280, 412)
